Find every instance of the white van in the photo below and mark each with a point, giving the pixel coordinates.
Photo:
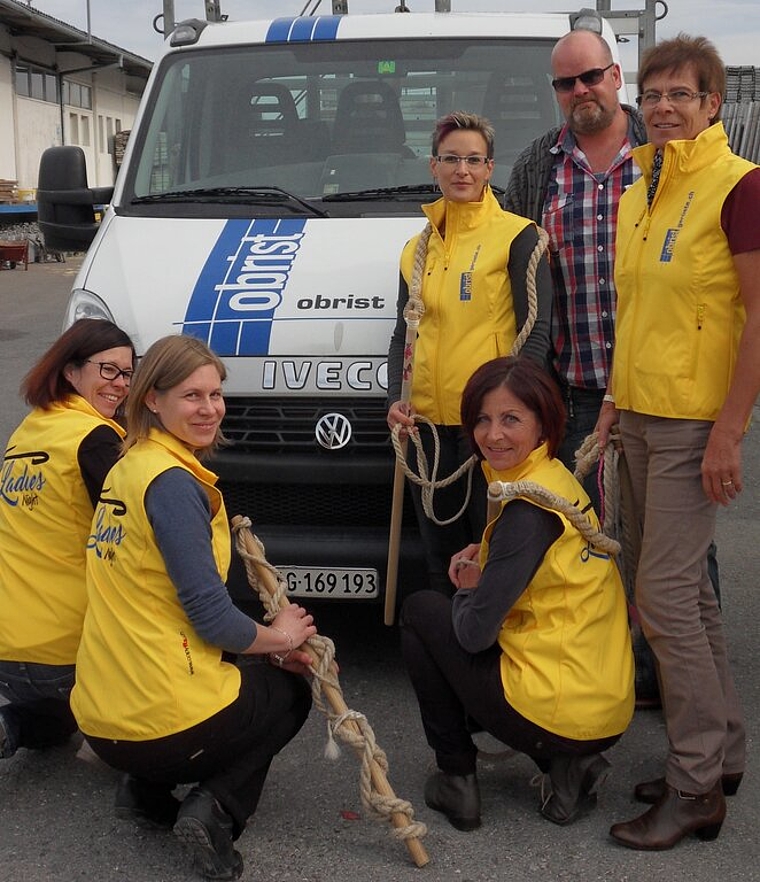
(274, 172)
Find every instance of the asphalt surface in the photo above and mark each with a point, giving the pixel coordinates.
(56, 818)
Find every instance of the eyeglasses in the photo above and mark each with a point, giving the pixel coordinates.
(452, 159)
(110, 372)
(589, 78)
(677, 96)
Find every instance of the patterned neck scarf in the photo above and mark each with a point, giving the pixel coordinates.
(656, 169)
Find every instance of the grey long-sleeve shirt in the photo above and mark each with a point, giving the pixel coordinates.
(180, 515)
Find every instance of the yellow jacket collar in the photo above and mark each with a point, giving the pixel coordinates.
(181, 453)
(81, 405)
(444, 214)
(519, 472)
(688, 155)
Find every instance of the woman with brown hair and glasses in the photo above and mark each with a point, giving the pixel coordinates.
(53, 471)
(685, 376)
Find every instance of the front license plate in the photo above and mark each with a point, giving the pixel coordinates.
(350, 584)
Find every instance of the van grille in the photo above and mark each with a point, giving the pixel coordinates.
(288, 424)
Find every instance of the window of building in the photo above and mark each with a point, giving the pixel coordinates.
(77, 94)
(34, 82)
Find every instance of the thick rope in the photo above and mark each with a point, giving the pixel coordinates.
(615, 514)
(500, 491)
(377, 805)
(413, 312)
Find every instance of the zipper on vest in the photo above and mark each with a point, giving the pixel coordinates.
(701, 307)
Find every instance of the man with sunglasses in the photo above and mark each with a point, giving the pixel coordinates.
(569, 181)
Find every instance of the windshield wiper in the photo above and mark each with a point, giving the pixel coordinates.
(260, 195)
(406, 192)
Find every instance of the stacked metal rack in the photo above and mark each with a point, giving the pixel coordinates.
(741, 111)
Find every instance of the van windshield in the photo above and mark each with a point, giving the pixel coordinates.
(316, 121)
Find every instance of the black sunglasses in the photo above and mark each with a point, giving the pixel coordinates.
(589, 78)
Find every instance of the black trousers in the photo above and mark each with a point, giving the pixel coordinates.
(453, 685)
(441, 542)
(230, 753)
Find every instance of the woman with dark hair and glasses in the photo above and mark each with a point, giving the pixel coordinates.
(685, 376)
(535, 647)
(53, 471)
(470, 269)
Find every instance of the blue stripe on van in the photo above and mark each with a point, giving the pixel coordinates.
(303, 29)
(238, 291)
(327, 27)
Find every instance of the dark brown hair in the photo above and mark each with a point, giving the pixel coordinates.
(683, 51)
(45, 382)
(527, 381)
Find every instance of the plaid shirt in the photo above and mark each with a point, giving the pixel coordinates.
(580, 216)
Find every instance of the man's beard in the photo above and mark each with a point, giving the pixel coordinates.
(591, 119)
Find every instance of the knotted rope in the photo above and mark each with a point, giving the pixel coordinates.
(616, 499)
(350, 726)
(426, 478)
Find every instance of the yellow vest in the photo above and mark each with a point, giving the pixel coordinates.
(45, 515)
(679, 313)
(567, 662)
(142, 670)
(469, 315)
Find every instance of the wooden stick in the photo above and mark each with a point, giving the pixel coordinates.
(267, 581)
(394, 538)
(399, 482)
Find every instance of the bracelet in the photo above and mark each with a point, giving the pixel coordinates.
(281, 658)
(608, 399)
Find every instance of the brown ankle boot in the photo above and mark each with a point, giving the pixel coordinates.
(675, 816)
(651, 792)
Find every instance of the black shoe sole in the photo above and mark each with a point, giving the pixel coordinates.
(208, 862)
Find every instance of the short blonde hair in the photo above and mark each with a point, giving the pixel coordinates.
(165, 365)
(462, 120)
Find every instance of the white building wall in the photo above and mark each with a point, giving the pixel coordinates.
(37, 126)
(7, 141)
(34, 125)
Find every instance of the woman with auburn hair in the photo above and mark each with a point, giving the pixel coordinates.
(534, 648)
(173, 705)
(53, 471)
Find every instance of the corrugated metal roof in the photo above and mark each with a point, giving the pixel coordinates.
(21, 19)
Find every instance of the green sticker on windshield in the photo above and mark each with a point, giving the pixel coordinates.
(386, 67)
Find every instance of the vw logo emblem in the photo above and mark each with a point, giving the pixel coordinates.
(333, 431)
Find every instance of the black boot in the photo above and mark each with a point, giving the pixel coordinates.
(575, 781)
(457, 797)
(205, 826)
(149, 805)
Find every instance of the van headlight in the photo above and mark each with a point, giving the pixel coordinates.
(84, 304)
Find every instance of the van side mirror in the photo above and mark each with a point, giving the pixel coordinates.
(65, 204)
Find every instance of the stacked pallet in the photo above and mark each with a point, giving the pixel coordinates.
(8, 190)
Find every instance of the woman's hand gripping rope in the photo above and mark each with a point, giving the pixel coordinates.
(352, 727)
